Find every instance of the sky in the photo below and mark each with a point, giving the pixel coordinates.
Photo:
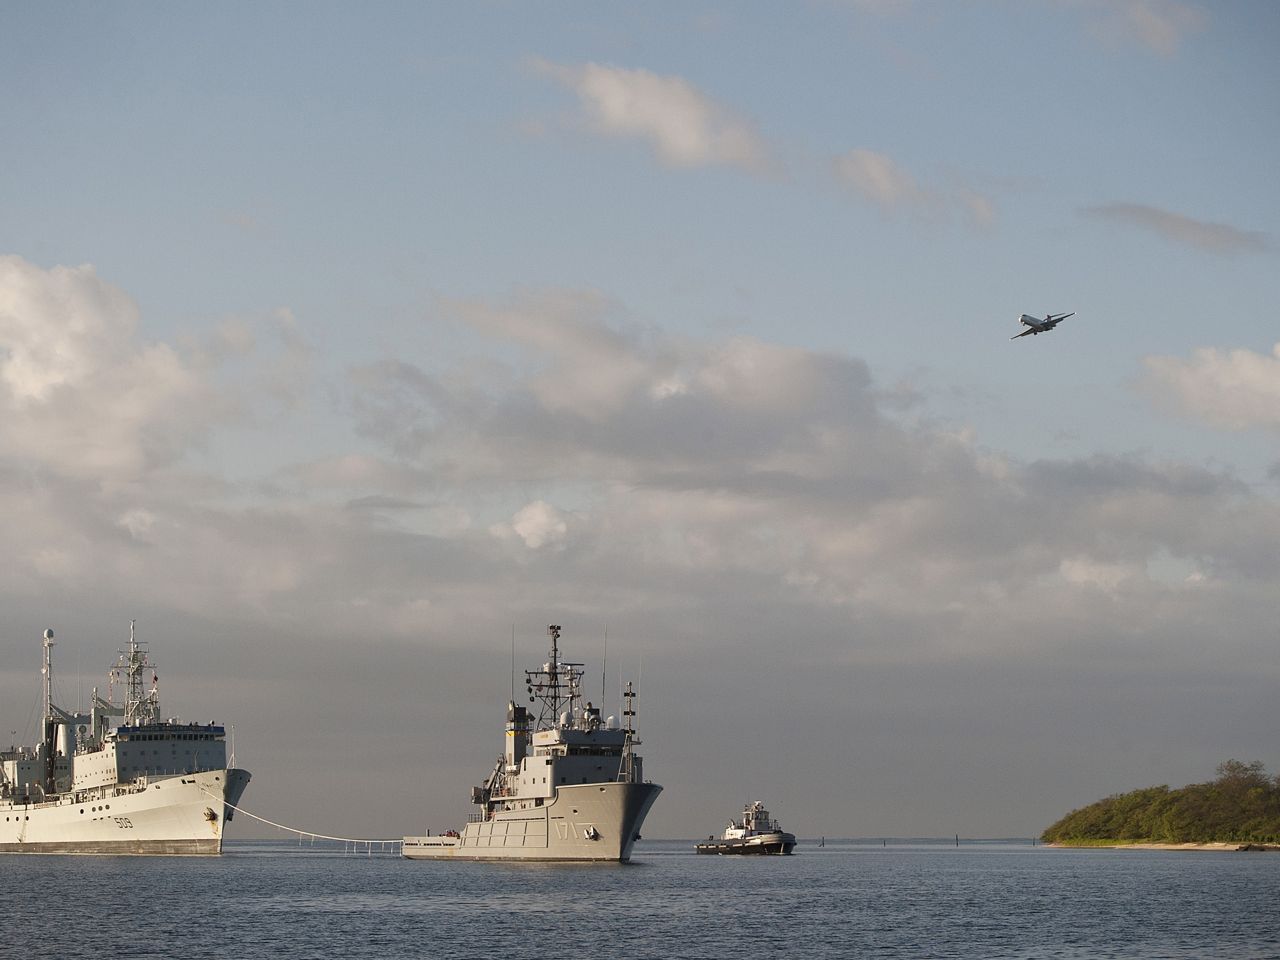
(347, 347)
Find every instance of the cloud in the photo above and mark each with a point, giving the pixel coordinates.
(82, 394)
(684, 126)
(1214, 237)
(687, 128)
(78, 392)
(637, 464)
(729, 506)
(1232, 389)
(757, 463)
(1161, 26)
(537, 524)
(879, 178)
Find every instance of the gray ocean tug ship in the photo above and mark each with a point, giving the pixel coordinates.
(569, 785)
(118, 779)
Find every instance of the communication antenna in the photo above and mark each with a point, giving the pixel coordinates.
(630, 711)
(557, 686)
(46, 670)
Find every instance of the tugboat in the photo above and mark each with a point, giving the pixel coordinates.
(569, 786)
(756, 834)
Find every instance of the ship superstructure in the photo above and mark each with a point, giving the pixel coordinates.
(569, 785)
(117, 779)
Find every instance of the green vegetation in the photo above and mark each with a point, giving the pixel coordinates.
(1241, 805)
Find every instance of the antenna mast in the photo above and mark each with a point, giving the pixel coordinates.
(46, 670)
(50, 746)
(139, 707)
(546, 685)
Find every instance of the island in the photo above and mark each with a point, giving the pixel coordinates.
(1239, 810)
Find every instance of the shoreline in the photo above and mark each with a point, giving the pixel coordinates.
(1231, 846)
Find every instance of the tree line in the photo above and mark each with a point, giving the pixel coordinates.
(1241, 805)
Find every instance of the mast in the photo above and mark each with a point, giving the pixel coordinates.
(553, 667)
(556, 685)
(627, 770)
(50, 728)
(140, 706)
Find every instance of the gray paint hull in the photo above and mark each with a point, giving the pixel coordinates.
(583, 823)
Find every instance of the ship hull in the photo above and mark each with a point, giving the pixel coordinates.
(590, 822)
(182, 815)
(768, 844)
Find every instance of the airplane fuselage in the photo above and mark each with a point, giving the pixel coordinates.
(1040, 326)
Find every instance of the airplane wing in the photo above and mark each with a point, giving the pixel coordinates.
(1023, 334)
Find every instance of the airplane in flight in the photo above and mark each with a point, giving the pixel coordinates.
(1040, 326)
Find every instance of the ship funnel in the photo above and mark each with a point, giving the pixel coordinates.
(517, 736)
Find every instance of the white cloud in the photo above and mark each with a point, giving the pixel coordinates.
(57, 327)
(684, 126)
(1161, 26)
(879, 178)
(730, 502)
(1233, 389)
(80, 393)
(1107, 576)
(1215, 237)
(596, 367)
(538, 524)
(700, 472)
(137, 521)
(779, 466)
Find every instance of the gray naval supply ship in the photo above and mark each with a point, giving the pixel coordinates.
(118, 779)
(569, 786)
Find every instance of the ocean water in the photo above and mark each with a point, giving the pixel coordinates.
(847, 899)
